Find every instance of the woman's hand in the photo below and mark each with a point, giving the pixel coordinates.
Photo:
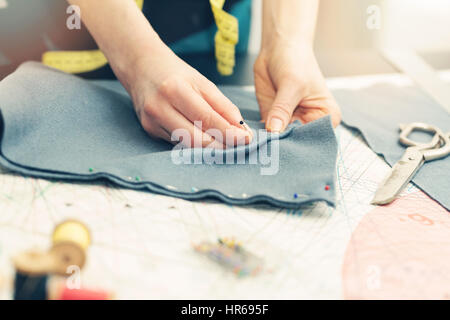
(168, 94)
(290, 86)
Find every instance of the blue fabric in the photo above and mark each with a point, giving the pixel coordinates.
(57, 125)
(203, 41)
(377, 112)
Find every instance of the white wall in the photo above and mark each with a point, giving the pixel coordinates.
(420, 24)
(255, 29)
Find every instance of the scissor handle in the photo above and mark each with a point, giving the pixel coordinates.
(430, 150)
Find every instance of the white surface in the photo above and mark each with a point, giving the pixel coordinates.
(145, 251)
(142, 242)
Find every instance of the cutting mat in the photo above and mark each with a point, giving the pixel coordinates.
(142, 242)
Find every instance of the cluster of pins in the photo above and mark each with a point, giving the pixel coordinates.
(232, 256)
(35, 269)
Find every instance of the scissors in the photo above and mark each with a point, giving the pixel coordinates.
(415, 156)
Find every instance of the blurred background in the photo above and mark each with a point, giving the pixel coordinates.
(423, 25)
(347, 37)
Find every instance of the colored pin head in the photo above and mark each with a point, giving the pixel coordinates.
(230, 255)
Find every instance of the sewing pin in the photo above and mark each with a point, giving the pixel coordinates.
(246, 127)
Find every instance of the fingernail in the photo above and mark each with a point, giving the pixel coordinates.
(246, 127)
(247, 138)
(275, 125)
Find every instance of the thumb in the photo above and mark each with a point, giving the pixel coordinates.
(286, 101)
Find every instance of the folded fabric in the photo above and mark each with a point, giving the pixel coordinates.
(56, 125)
(377, 112)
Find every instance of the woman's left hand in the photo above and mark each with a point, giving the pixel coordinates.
(290, 86)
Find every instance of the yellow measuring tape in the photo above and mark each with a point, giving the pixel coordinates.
(225, 40)
(78, 61)
(227, 36)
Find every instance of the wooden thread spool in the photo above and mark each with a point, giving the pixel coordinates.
(30, 286)
(65, 255)
(30, 282)
(70, 240)
(72, 231)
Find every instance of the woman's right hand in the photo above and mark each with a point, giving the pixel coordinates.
(168, 94)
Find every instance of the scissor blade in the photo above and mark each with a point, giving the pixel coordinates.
(400, 175)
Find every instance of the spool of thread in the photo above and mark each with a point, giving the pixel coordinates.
(33, 262)
(70, 240)
(65, 255)
(30, 282)
(59, 291)
(72, 231)
(56, 260)
(30, 286)
(84, 294)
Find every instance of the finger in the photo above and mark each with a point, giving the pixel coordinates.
(194, 107)
(186, 132)
(153, 129)
(220, 103)
(264, 89)
(287, 99)
(265, 100)
(223, 106)
(335, 112)
(312, 110)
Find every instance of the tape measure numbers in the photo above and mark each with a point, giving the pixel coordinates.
(225, 40)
